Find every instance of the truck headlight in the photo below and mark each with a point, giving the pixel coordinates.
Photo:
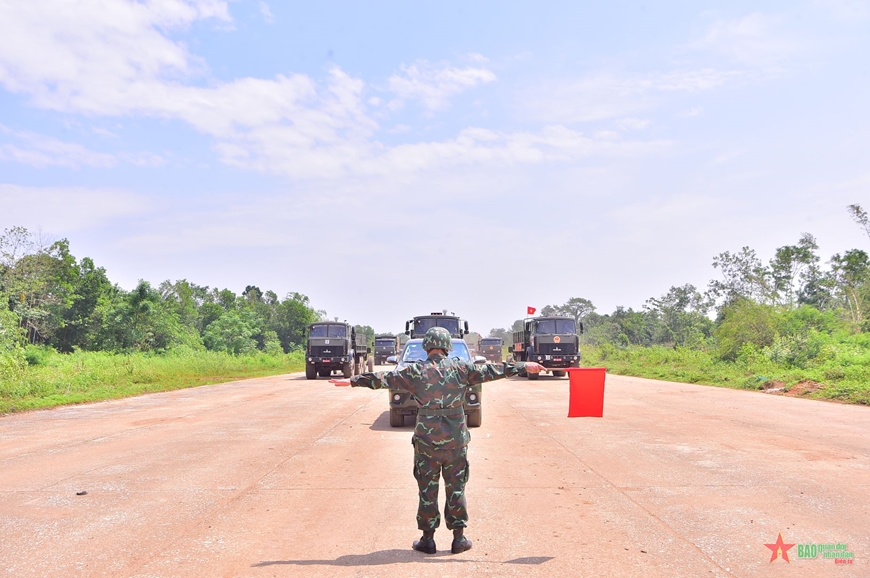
(472, 397)
(396, 397)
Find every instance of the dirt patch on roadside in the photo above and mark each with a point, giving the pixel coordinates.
(805, 387)
(773, 386)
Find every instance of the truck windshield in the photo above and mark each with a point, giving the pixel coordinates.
(421, 326)
(328, 331)
(555, 326)
(490, 342)
(414, 351)
(385, 343)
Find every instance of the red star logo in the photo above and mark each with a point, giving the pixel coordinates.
(778, 547)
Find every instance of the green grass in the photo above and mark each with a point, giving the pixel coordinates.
(51, 379)
(842, 371)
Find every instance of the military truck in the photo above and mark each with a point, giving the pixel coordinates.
(490, 348)
(385, 346)
(551, 341)
(417, 327)
(334, 346)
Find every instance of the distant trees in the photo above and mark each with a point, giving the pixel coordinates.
(781, 306)
(48, 297)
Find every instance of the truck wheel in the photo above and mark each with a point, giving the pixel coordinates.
(357, 366)
(396, 419)
(347, 370)
(310, 372)
(474, 418)
(558, 374)
(533, 376)
(325, 372)
(371, 364)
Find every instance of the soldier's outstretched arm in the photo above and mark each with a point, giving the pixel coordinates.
(493, 371)
(380, 379)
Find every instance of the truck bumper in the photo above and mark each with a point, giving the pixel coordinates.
(556, 361)
(331, 362)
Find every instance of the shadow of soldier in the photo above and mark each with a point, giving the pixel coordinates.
(379, 558)
(383, 557)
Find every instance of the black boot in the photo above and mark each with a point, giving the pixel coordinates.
(460, 542)
(426, 543)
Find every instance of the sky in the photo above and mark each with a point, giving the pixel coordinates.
(388, 159)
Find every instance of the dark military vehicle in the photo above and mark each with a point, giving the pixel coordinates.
(385, 346)
(417, 327)
(490, 348)
(334, 346)
(402, 403)
(551, 341)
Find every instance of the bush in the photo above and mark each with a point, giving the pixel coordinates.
(745, 322)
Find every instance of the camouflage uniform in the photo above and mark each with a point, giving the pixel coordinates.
(440, 437)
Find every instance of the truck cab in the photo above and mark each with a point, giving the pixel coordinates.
(417, 327)
(385, 346)
(334, 346)
(490, 348)
(553, 342)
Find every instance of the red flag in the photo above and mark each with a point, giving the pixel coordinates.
(530, 310)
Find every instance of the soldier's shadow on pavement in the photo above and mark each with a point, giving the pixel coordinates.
(384, 557)
(382, 423)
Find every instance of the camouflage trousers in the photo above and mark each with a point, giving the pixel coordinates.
(430, 464)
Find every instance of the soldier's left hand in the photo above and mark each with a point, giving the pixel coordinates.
(533, 367)
(340, 381)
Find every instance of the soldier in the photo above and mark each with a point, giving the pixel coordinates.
(440, 437)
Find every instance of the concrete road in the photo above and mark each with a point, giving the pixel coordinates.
(287, 477)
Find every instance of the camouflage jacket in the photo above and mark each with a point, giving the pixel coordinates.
(438, 384)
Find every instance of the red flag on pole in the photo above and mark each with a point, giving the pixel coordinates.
(530, 310)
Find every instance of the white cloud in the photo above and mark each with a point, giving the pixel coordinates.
(265, 11)
(42, 151)
(756, 40)
(632, 123)
(609, 96)
(115, 59)
(694, 111)
(434, 85)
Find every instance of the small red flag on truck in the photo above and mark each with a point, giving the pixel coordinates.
(530, 310)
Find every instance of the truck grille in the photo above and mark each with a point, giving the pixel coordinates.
(326, 351)
(556, 348)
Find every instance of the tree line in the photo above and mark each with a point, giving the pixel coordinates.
(784, 307)
(48, 297)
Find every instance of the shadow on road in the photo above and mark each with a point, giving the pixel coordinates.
(382, 423)
(384, 557)
(379, 558)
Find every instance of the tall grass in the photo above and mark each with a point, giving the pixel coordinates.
(52, 379)
(839, 370)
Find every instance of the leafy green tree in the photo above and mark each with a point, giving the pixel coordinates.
(291, 319)
(140, 321)
(851, 273)
(680, 317)
(79, 320)
(502, 333)
(38, 279)
(789, 264)
(11, 341)
(745, 322)
(233, 333)
(859, 215)
(743, 277)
